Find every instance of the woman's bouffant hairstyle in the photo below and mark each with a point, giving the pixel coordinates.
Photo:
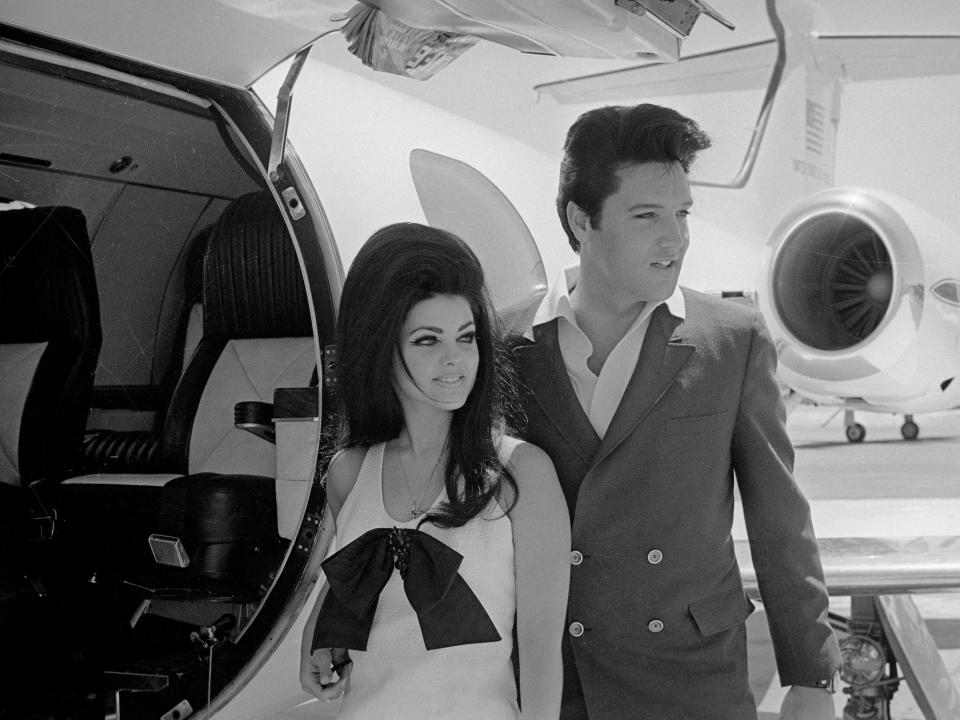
(399, 266)
(603, 141)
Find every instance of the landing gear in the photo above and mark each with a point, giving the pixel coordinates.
(910, 430)
(869, 662)
(855, 431)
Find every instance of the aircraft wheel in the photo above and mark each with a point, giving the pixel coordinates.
(909, 430)
(856, 432)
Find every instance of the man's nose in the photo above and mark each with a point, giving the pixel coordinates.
(674, 233)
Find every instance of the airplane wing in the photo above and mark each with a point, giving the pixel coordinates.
(881, 575)
(745, 67)
(877, 565)
(882, 57)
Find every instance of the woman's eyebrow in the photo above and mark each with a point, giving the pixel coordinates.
(439, 331)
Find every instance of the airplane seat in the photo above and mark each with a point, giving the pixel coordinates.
(49, 341)
(257, 336)
(125, 451)
(217, 484)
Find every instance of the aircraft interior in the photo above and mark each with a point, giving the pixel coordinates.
(155, 301)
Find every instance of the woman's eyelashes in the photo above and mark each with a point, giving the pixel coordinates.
(468, 338)
(425, 340)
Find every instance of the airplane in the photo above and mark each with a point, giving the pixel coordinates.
(171, 274)
(860, 287)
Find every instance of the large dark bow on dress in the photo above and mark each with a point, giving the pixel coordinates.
(448, 611)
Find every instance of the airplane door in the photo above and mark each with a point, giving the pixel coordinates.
(458, 198)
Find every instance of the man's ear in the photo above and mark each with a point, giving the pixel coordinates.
(579, 220)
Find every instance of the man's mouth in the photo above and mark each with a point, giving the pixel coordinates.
(664, 264)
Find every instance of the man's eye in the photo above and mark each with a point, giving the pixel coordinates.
(683, 213)
(644, 216)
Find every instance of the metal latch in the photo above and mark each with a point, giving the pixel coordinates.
(678, 15)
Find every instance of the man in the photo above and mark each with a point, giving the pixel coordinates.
(651, 401)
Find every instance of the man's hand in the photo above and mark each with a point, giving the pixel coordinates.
(318, 677)
(807, 703)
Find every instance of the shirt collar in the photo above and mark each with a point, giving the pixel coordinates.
(556, 303)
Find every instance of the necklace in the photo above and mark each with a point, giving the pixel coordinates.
(415, 511)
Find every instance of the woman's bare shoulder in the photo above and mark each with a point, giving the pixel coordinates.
(342, 474)
(524, 460)
(539, 505)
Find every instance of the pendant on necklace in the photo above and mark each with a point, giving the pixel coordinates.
(414, 513)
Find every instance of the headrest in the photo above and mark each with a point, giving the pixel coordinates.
(48, 291)
(252, 283)
(46, 273)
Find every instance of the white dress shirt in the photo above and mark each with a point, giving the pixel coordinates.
(598, 395)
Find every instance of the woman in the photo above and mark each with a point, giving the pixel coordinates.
(465, 528)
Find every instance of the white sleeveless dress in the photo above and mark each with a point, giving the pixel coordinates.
(396, 677)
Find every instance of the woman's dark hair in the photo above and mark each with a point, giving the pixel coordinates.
(603, 141)
(399, 266)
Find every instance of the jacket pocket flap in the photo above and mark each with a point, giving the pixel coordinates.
(721, 612)
(696, 424)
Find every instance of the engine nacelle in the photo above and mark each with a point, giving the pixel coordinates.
(861, 291)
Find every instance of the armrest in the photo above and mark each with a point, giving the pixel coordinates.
(296, 403)
(255, 417)
(288, 404)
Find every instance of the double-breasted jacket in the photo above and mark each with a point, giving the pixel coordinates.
(657, 609)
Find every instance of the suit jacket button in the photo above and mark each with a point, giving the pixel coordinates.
(655, 556)
(576, 557)
(576, 629)
(655, 626)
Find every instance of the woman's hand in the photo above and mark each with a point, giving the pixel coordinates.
(325, 673)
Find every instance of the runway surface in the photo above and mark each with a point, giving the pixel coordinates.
(883, 487)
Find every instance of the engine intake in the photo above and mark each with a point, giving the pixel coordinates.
(832, 281)
(859, 294)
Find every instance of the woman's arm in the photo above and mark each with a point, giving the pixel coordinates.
(316, 675)
(541, 540)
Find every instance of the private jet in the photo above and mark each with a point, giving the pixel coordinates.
(171, 273)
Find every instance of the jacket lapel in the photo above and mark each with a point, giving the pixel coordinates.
(661, 357)
(543, 370)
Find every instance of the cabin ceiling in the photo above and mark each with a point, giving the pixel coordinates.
(71, 128)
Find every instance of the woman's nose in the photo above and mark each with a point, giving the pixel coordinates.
(451, 356)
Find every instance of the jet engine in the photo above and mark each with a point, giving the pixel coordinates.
(861, 292)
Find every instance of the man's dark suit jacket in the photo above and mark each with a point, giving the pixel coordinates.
(655, 584)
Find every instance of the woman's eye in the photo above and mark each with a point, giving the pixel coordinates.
(425, 340)
(683, 213)
(468, 338)
(643, 216)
